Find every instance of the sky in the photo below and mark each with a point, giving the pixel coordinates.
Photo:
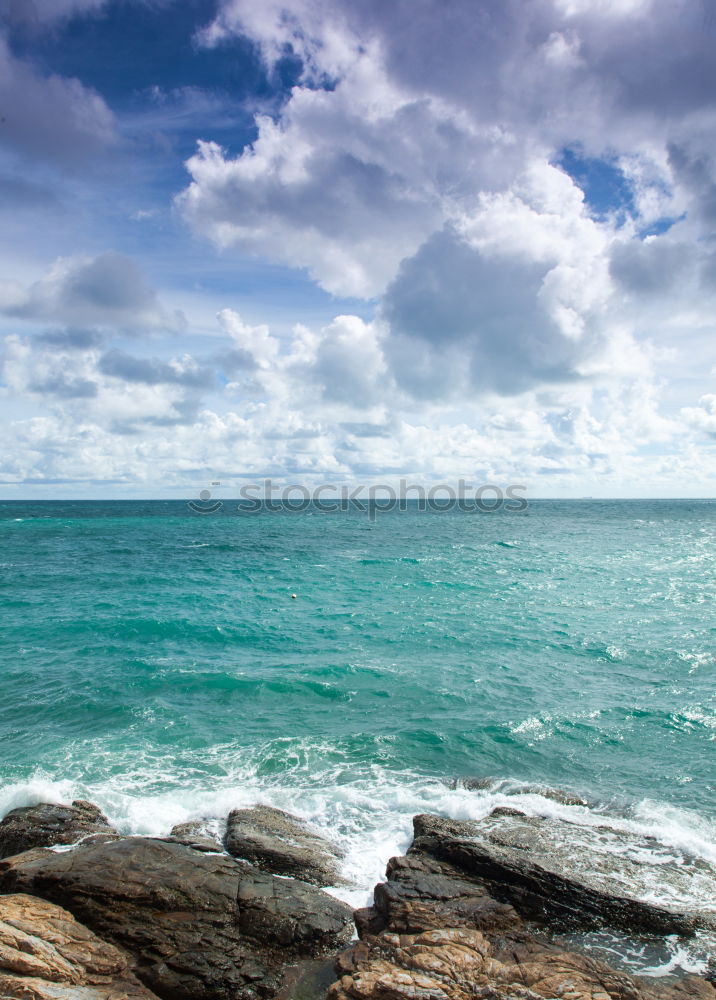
(357, 241)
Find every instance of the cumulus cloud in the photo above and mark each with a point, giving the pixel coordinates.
(347, 364)
(117, 391)
(519, 323)
(109, 289)
(407, 112)
(151, 371)
(50, 118)
(569, 447)
(702, 417)
(652, 267)
(295, 195)
(314, 405)
(342, 363)
(416, 161)
(515, 296)
(461, 321)
(253, 344)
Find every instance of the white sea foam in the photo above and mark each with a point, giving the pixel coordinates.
(31, 793)
(368, 813)
(680, 959)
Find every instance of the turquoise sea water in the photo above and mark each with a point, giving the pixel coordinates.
(154, 661)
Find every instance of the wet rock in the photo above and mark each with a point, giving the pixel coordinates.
(47, 824)
(45, 954)
(369, 921)
(290, 913)
(471, 783)
(282, 844)
(547, 792)
(710, 973)
(199, 926)
(510, 788)
(462, 964)
(308, 980)
(438, 932)
(422, 894)
(578, 876)
(197, 835)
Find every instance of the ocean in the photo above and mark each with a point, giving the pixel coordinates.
(155, 662)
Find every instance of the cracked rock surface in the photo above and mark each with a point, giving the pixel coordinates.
(282, 844)
(199, 926)
(462, 964)
(45, 954)
(470, 916)
(47, 824)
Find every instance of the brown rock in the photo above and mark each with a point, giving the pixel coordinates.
(199, 926)
(437, 932)
(47, 824)
(280, 843)
(540, 867)
(461, 964)
(45, 954)
(196, 835)
(422, 893)
(481, 783)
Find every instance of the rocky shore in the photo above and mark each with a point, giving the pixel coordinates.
(473, 910)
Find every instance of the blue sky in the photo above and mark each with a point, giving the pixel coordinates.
(340, 241)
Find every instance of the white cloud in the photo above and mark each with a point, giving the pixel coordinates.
(314, 405)
(315, 30)
(702, 417)
(429, 110)
(50, 118)
(254, 341)
(109, 289)
(334, 188)
(112, 390)
(521, 331)
(415, 161)
(422, 174)
(348, 364)
(604, 8)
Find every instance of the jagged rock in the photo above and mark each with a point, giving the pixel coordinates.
(280, 843)
(462, 964)
(199, 926)
(539, 867)
(47, 824)
(436, 932)
(494, 784)
(547, 792)
(422, 894)
(308, 980)
(196, 835)
(45, 954)
(290, 913)
(471, 782)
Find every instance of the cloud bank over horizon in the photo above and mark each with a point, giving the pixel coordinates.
(349, 241)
